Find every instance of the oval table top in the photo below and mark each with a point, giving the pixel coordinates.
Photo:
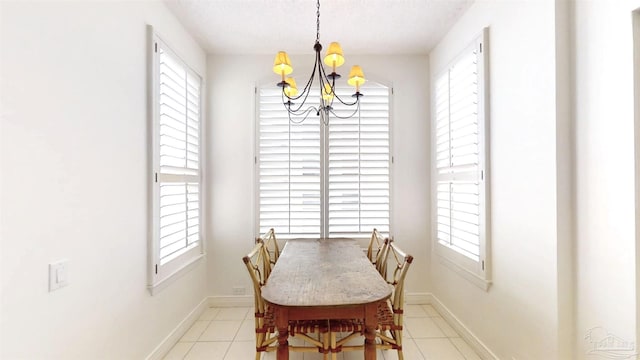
(324, 272)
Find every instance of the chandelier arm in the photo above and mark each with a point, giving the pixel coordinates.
(306, 90)
(335, 94)
(325, 105)
(357, 101)
(297, 109)
(306, 112)
(356, 111)
(301, 112)
(321, 77)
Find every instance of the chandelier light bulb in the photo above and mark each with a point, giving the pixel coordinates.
(327, 93)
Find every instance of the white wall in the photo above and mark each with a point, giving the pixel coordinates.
(74, 181)
(517, 318)
(636, 71)
(604, 127)
(231, 82)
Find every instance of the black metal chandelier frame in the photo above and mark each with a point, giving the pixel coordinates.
(325, 106)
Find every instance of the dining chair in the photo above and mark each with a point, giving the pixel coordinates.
(376, 251)
(389, 315)
(271, 245)
(258, 265)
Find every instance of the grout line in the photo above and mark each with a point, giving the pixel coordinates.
(188, 351)
(229, 348)
(455, 347)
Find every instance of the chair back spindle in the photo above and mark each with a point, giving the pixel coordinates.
(271, 245)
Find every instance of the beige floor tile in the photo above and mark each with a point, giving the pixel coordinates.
(178, 351)
(409, 350)
(221, 330)
(208, 350)
(423, 328)
(406, 333)
(209, 314)
(232, 313)
(438, 349)
(193, 334)
(247, 331)
(445, 327)
(240, 350)
(415, 311)
(359, 354)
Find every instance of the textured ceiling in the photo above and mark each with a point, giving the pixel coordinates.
(360, 26)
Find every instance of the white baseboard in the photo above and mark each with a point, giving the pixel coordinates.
(165, 346)
(478, 346)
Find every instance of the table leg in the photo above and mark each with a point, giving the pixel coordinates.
(370, 331)
(282, 324)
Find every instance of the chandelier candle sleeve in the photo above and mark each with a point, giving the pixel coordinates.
(356, 77)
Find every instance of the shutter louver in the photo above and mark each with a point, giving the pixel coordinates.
(179, 157)
(458, 157)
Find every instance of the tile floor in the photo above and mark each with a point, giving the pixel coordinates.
(228, 334)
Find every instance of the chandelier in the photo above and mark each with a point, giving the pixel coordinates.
(295, 101)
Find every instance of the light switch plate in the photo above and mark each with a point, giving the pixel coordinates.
(58, 274)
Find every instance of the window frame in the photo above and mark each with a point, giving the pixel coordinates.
(161, 275)
(324, 154)
(477, 272)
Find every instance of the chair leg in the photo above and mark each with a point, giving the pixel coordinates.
(334, 355)
(325, 345)
(399, 343)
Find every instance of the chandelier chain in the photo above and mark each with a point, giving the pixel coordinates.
(318, 22)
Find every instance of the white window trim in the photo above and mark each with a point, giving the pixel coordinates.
(477, 272)
(325, 187)
(160, 276)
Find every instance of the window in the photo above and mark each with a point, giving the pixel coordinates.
(461, 155)
(176, 113)
(317, 181)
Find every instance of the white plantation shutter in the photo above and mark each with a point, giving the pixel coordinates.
(359, 165)
(460, 156)
(177, 173)
(315, 182)
(288, 170)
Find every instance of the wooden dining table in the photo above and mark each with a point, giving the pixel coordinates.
(324, 279)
